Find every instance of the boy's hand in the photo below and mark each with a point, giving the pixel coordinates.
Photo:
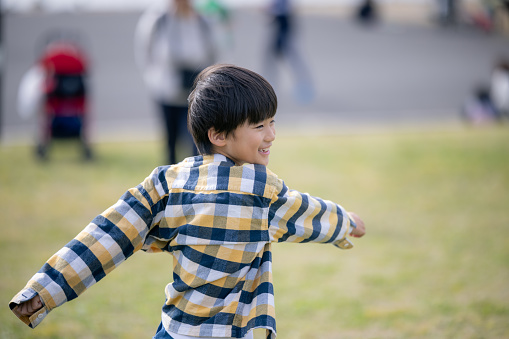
(28, 308)
(361, 229)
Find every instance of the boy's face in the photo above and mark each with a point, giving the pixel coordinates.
(250, 143)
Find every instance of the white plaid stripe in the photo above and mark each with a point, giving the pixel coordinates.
(78, 265)
(345, 224)
(108, 243)
(159, 216)
(247, 185)
(304, 220)
(212, 178)
(204, 209)
(182, 178)
(233, 211)
(325, 221)
(56, 292)
(252, 247)
(201, 272)
(198, 298)
(135, 220)
(158, 186)
(261, 299)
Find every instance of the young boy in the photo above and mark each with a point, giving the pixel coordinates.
(217, 214)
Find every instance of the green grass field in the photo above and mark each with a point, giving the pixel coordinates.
(434, 263)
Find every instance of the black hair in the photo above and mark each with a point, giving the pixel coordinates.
(225, 97)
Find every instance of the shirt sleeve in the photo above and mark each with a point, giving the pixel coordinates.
(300, 217)
(105, 243)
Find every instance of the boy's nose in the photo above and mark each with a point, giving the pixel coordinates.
(271, 134)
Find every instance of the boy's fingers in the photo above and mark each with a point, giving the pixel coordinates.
(34, 305)
(28, 308)
(19, 310)
(16, 310)
(31, 307)
(360, 230)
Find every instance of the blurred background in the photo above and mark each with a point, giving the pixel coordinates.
(397, 110)
(410, 66)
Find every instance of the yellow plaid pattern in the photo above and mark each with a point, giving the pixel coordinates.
(218, 221)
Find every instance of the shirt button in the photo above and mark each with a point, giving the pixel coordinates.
(40, 316)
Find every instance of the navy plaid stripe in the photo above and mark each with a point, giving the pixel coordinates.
(179, 316)
(223, 178)
(263, 320)
(222, 235)
(317, 224)
(59, 279)
(197, 161)
(224, 199)
(164, 232)
(93, 263)
(161, 177)
(247, 297)
(221, 293)
(214, 291)
(338, 227)
(178, 284)
(194, 174)
(145, 194)
(212, 262)
(120, 238)
(138, 207)
(156, 205)
(291, 222)
(281, 200)
(260, 180)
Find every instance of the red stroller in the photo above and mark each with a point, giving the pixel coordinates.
(64, 95)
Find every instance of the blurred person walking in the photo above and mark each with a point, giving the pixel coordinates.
(447, 12)
(366, 12)
(499, 87)
(173, 43)
(478, 108)
(283, 45)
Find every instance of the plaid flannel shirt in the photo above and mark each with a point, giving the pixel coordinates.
(218, 221)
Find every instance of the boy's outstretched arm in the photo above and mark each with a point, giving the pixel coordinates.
(300, 217)
(28, 308)
(107, 241)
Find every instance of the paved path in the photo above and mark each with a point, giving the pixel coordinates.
(389, 75)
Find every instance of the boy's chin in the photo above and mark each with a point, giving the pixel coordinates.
(257, 161)
(263, 162)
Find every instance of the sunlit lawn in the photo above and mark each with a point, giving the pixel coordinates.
(434, 264)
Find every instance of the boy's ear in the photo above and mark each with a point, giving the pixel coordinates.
(216, 138)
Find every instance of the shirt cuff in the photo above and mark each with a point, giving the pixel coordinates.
(345, 243)
(352, 224)
(25, 295)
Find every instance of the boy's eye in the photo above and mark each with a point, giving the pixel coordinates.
(262, 125)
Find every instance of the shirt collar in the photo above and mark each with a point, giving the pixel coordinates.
(220, 158)
(208, 159)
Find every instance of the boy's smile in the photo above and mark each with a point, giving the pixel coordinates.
(249, 143)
